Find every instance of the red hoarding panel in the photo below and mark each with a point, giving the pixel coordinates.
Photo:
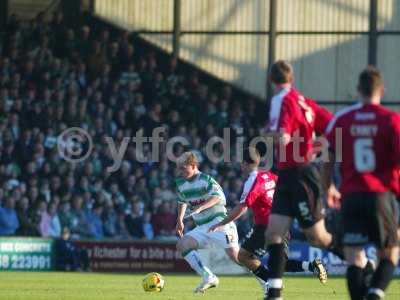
(134, 257)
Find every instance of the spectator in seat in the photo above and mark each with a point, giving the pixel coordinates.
(79, 226)
(83, 44)
(166, 193)
(44, 219)
(96, 60)
(130, 76)
(139, 108)
(122, 230)
(8, 218)
(153, 119)
(110, 220)
(164, 222)
(147, 226)
(27, 225)
(55, 225)
(93, 219)
(65, 214)
(134, 221)
(128, 52)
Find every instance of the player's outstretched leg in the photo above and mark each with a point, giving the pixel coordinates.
(368, 272)
(381, 279)
(316, 266)
(277, 229)
(188, 245)
(251, 262)
(209, 279)
(319, 269)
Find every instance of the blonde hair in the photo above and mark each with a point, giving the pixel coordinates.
(188, 158)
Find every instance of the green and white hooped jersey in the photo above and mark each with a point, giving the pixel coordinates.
(199, 190)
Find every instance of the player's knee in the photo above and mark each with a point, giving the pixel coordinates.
(245, 258)
(186, 244)
(273, 238)
(181, 245)
(355, 256)
(316, 241)
(317, 238)
(391, 254)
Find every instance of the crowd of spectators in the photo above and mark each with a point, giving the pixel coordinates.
(54, 76)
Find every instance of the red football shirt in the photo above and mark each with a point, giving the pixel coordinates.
(370, 148)
(257, 194)
(299, 117)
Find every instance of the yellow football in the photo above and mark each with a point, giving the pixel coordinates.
(153, 282)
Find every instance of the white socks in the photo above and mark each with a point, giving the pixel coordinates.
(264, 285)
(193, 258)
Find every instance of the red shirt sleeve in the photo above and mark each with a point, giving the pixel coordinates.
(322, 116)
(395, 137)
(248, 196)
(322, 119)
(330, 133)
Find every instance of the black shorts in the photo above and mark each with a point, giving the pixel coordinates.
(298, 195)
(255, 241)
(370, 218)
(398, 204)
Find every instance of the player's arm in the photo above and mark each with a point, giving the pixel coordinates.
(179, 222)
(333, 195)
(210, 202)
(235, 214)
(395, 137)
(246, 200)
(214, 196)
(181, 211)
(182, 206)
(281, 137)
(322, 117)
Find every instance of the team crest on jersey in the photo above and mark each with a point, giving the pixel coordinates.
(197, 202)
(269, 185)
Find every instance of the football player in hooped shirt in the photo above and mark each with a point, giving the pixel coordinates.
(370, 180)
(257, 195)
(205, 197)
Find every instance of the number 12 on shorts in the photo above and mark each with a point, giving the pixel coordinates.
(229, 238)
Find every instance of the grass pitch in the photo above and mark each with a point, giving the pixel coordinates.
(92, 286)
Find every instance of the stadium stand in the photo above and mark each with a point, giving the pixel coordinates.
(54, 76)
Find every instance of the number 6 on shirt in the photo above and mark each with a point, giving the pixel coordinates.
(364, 155)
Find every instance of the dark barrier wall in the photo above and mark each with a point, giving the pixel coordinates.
(134, 256)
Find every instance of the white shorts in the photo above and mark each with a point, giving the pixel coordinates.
(224, 238)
